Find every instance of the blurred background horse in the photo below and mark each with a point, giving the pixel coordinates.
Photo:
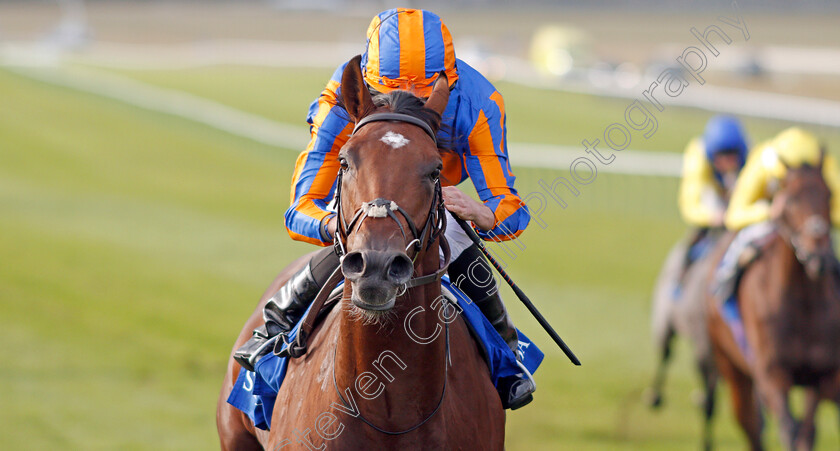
(679, 309)
(790, 304)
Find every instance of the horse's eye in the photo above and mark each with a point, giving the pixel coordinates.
(343, 162)
(435, 174)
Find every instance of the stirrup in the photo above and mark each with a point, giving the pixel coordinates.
(516, 382)
(527, 374)
(248, 360)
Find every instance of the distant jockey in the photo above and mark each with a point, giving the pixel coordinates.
(753, 204)
(751, 201)
(407, 49)
(710, 168)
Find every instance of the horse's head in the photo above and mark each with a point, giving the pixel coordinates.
(805, 218)
(388, 190)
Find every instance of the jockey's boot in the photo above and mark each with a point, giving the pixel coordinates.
(494, 309)
(516, 391)
(280, 313)
(470, 266)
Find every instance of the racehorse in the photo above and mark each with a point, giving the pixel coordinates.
(388, 368)
(679, 308)
(789, 304)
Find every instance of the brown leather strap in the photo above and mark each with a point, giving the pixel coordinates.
(398, 117)
(435, 276)
(297, 348)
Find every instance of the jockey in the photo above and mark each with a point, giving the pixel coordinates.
(753, 206)
(407, 49)
(710, 167)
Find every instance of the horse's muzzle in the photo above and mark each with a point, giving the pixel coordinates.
(377, 277)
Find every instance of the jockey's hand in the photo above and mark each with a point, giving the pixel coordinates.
(331, 224)
(718, 218)
(777, 207)
(465, 207)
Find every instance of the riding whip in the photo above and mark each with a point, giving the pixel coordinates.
(519, 293)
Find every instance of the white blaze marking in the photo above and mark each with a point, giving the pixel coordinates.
(394, 140)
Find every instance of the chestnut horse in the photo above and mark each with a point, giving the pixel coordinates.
(388, 368)
(789, 303)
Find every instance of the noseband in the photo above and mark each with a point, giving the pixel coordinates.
(384, 208)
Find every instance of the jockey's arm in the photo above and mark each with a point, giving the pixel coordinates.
(697, 189)
(749, 203)
(317, 168)
(488, 167)
(831, 174)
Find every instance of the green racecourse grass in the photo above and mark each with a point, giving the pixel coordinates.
(135, 244)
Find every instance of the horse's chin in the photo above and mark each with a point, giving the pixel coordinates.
(814, 269)
(376, 307)
(371, 314)
(372, 303)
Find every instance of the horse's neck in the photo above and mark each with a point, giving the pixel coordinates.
(395, 355)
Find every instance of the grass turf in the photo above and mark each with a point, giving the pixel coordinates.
(135, 244)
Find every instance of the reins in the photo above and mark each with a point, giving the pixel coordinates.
(435, 219)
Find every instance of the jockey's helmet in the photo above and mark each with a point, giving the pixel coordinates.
(407, 49)
(724, 134)
(793, 147)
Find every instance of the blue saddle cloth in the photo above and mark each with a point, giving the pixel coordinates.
(731, 313)
(255, 391)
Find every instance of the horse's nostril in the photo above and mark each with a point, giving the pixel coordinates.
(814, 268)
(400, 269)
(353, 265)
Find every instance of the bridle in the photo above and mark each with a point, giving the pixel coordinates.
(815, 226)
(432, 230)
(378, 208)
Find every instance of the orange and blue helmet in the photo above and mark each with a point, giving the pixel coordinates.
(407, 49)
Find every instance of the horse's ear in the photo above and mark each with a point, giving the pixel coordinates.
(354, 92)
(440, 95)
